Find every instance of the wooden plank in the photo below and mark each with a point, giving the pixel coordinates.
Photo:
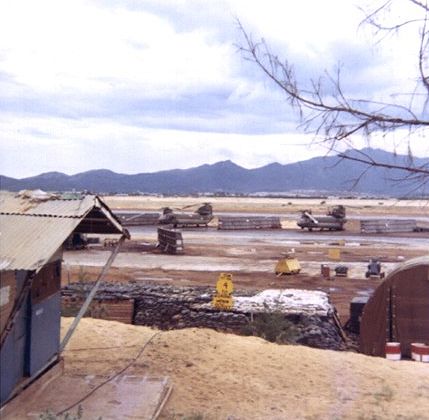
(112, 310)
(120, 397)
(92, 293)
(170, 241)
(121, 310)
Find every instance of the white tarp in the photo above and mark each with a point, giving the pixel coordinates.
(290, 301)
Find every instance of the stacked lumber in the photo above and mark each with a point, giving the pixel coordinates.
(110, 308)
(388, 225)
(170, 241)
(249, 222)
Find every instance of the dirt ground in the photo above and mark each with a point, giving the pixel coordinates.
(355, 207)
(224, 376)
(251, 256)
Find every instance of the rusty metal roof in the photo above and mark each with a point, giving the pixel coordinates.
(32, 230)
(27, 243)
(398, 310)
(54, 207)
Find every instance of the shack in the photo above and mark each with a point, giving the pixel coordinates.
(398, 310)
(33, 229)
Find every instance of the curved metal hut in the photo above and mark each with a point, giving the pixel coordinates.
(398, 310)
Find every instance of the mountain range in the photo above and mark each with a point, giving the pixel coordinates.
(328, 174)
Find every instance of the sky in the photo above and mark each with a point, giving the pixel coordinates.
(142, 86)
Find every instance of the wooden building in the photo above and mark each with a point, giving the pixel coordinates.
(33, 229)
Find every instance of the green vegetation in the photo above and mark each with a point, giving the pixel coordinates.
(272, 326)
(82, 276)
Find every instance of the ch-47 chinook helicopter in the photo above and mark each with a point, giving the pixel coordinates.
(334, 220)
(200, 217)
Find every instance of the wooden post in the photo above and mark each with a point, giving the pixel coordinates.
(91, 295)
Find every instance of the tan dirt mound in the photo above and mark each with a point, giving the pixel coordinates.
(220, 376)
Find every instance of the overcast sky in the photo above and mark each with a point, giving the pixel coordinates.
(140, 86)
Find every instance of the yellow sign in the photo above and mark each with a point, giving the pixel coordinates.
(224, 288)
(225, 303)
(334, 254)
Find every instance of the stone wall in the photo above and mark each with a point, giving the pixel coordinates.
(171, 307)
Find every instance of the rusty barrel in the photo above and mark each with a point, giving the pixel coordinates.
(325, 271)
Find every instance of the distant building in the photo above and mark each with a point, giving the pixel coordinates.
(33, 228)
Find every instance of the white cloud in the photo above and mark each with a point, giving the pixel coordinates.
(75, 45)
(308, 27)
(93, 144)
(55, 145)
(143, 86)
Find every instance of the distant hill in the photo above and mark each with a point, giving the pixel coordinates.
(320, 174)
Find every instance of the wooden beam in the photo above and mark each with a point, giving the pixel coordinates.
(91, 295)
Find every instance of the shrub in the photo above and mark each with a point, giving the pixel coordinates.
(273, 326)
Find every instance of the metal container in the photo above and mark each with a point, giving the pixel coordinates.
(325, 271)
(393, 351)
(420, 352)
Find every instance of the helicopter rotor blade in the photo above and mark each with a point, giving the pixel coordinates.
(188, 206)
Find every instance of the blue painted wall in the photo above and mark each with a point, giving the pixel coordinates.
(44, 332)
(35, 337)
(13, 353)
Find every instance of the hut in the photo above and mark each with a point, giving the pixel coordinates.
(398, 310)
(33, 229)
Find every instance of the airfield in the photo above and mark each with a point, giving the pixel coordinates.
(251, 255)
(200, 373)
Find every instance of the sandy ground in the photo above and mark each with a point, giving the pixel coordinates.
(273, 205)
(223, 376)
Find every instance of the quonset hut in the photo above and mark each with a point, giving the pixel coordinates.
(33, 229)
(398, 310)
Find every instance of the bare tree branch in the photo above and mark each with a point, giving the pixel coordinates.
(421, 4)
(326, 110)
(371, 162)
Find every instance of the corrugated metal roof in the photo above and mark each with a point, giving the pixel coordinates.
(31, 231)
(422, 260)
(15, 204)
(27, 242)
(398, 310)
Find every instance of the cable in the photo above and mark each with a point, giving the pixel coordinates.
(111, 378)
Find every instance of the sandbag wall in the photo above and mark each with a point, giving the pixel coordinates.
(170, 307)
